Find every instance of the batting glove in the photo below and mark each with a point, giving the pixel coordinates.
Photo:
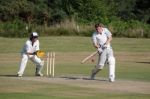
(99, 50)
(104, 46)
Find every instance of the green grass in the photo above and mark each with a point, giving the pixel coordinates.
(132, 55)
(131, 44)
(36, 90)
(94, 96)
(74, 44)
(57, 44)
(71, 50)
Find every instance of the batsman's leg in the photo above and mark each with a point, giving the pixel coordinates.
(22, 65)
(111, 61)
(100, 64)
(94, 72)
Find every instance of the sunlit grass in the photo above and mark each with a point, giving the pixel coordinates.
(132, 55)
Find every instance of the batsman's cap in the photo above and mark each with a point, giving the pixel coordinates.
(35, 34)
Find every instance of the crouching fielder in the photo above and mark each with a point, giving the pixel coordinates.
(29, 52)
(101, 40)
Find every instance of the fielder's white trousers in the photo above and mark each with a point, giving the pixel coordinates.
(37, 61)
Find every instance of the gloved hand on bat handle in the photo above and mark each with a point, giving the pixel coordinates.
(104, 46)
(100, 50)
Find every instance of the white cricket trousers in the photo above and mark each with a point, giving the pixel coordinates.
(37, 61)
(107, 56)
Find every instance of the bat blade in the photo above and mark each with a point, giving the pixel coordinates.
(88, 57)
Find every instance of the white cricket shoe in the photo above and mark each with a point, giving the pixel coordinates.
(111, 79)
(39, 74)
(19, 75)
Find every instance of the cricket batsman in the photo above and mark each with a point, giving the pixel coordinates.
(29, 51)
(101, 40)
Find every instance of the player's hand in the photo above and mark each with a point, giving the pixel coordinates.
(40, 54)
(34, 53)
(99, 50)
(104, 46)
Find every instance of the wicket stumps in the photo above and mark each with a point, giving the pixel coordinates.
(50, 68)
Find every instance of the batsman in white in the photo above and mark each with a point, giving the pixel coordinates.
(101, 40)
(28, 52)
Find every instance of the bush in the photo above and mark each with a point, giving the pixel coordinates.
(65, 29)
(13, 29)
(132, 29)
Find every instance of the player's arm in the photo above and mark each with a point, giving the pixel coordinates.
(95, 43)
(109, 37)
(108, 40)
(28, 50)
(29, 53)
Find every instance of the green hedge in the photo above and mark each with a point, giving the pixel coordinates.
(132, 29)
(16, 28)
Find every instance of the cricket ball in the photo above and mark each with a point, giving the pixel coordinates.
(92, 60)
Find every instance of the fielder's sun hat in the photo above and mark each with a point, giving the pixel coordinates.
(35, 34)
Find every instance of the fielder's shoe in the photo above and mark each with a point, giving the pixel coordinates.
(111, 80)
(19, 75)
(39, 74)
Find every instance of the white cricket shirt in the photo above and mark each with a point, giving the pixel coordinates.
(28, 47)
(101, 39)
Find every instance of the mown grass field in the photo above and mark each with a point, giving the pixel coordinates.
(133, 64)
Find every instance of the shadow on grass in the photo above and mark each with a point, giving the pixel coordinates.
(64, 77)
(82, 78)
(8, 75)
(143, 62)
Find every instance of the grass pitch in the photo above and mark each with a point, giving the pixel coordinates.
(132, 70)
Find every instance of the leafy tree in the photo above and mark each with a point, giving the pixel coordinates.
(57, 12)
(133, 10)
(11, 9)
(142, 10)
(125, 9)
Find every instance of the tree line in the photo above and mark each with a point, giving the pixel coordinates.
(130, 18)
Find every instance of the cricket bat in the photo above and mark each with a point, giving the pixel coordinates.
(88, 57)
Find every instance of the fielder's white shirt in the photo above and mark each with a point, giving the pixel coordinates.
(101, 39)
(29, 48)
